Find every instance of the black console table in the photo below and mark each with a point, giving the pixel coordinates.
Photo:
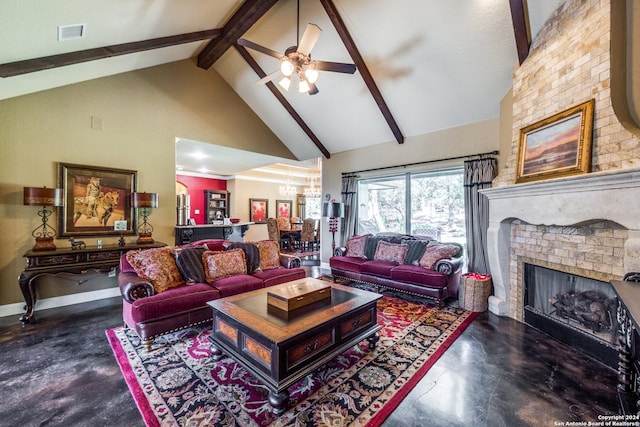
(73, 261)
(628, 315)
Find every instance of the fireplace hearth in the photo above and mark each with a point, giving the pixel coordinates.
(579, 311)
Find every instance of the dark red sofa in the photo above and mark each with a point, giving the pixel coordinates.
(439, 283)
(152, 314)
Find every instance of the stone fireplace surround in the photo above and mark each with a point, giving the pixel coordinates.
(576, 201)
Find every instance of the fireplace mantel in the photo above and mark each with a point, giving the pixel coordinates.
(570, 201)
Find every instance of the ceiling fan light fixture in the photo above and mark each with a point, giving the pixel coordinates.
(285, 83)
(311, 75)
(286, 67)
(303, 87)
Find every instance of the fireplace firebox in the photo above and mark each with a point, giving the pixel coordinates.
(579, 311)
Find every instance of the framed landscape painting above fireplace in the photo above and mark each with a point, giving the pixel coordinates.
(557, 146)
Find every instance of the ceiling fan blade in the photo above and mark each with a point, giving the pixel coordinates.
(338, 67)
(309, 38)
(268, 78)
(261, 49)
(313, 89)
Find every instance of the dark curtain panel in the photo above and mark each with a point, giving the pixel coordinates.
(349, 188)
(478, 174)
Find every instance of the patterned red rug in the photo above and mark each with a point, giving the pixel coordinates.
(178, 383)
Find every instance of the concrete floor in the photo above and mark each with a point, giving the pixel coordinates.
(61, 371)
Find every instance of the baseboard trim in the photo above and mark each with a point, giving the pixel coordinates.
(53, 302)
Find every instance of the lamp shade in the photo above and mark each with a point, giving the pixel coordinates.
(43, 196)
(333, 210)
(144, 200)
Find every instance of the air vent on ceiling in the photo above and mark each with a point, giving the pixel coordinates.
(69, 32)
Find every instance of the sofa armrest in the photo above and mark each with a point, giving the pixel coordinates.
(133, 287)
(289, 261)
(449, 266)
(340, 251)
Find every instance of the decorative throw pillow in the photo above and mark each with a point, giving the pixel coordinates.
(156, 265)
(251, 255)
(355, 246)
(269, 254)
(371, 245)
(391, 252)
(436, 252)
(189, 262)
(218, 264)
(416, 250)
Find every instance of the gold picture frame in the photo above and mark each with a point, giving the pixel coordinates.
(557, 146)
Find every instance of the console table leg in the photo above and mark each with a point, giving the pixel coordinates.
(29, 295)
(373, 339)
(279, 401)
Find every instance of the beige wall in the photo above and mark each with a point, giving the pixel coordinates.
(465, 140)
(143, 112)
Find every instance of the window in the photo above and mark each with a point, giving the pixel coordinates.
(426, 203)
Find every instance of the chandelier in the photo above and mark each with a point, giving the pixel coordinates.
(313, 191)
(288, 190)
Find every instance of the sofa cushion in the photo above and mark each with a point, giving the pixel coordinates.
(371, 244)
(276, 276)
(269, 254)
(156, 265)
(175, 300)
(355, 246)
(377, 268)
(237, 284)
(219, 264)
(435, 252)
(189, 263)
(418, 276)
(251, 255)
(348, 263)
(391, 252)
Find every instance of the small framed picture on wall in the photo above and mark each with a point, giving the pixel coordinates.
(258, 210)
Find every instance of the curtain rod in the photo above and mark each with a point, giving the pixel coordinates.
(494, 152)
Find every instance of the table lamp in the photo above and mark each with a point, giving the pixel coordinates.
(43, 196)
(333, 210)
(144, 202)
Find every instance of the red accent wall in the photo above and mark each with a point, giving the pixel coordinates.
(196, 186)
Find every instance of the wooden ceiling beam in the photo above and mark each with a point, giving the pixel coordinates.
(247, 14)
(16, 68)
(341, 28)
(274, 90)
(521, 28)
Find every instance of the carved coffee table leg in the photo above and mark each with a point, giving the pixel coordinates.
(216, 353)
(279, 401)
(373, 339)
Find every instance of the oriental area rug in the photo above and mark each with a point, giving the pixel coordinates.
(178, 383)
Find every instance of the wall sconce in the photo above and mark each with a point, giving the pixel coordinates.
(43, 196)
(333, 210)
(144, 201)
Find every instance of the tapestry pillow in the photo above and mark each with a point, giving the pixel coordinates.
(189, 262)
(251, 255)
(218, 264)
(391, 252)
(435, 252)
(269, 254)
(355, 246)
(156, 265)
(371, 245)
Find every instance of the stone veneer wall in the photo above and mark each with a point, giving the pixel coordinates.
(569, 63)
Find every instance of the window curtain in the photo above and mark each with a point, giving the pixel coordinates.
(349, 188)
(478, 174)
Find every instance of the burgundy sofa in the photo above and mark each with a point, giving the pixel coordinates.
(152, 314)
(438, 283)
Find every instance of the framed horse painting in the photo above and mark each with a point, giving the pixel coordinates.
(94, 198)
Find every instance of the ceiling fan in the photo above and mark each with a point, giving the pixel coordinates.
(296, 60)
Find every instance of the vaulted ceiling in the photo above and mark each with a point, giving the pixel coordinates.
(423, 65)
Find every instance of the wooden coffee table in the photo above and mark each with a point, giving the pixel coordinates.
(280, 347)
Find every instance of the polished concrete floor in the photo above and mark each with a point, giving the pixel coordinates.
(60, 371)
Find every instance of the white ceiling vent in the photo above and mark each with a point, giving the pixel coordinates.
(69, 32)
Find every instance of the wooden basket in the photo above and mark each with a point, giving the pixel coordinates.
(474, 291)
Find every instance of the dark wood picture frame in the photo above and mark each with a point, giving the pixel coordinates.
(283, 208)
(557, 146)
(95, 197)
(258, 210)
